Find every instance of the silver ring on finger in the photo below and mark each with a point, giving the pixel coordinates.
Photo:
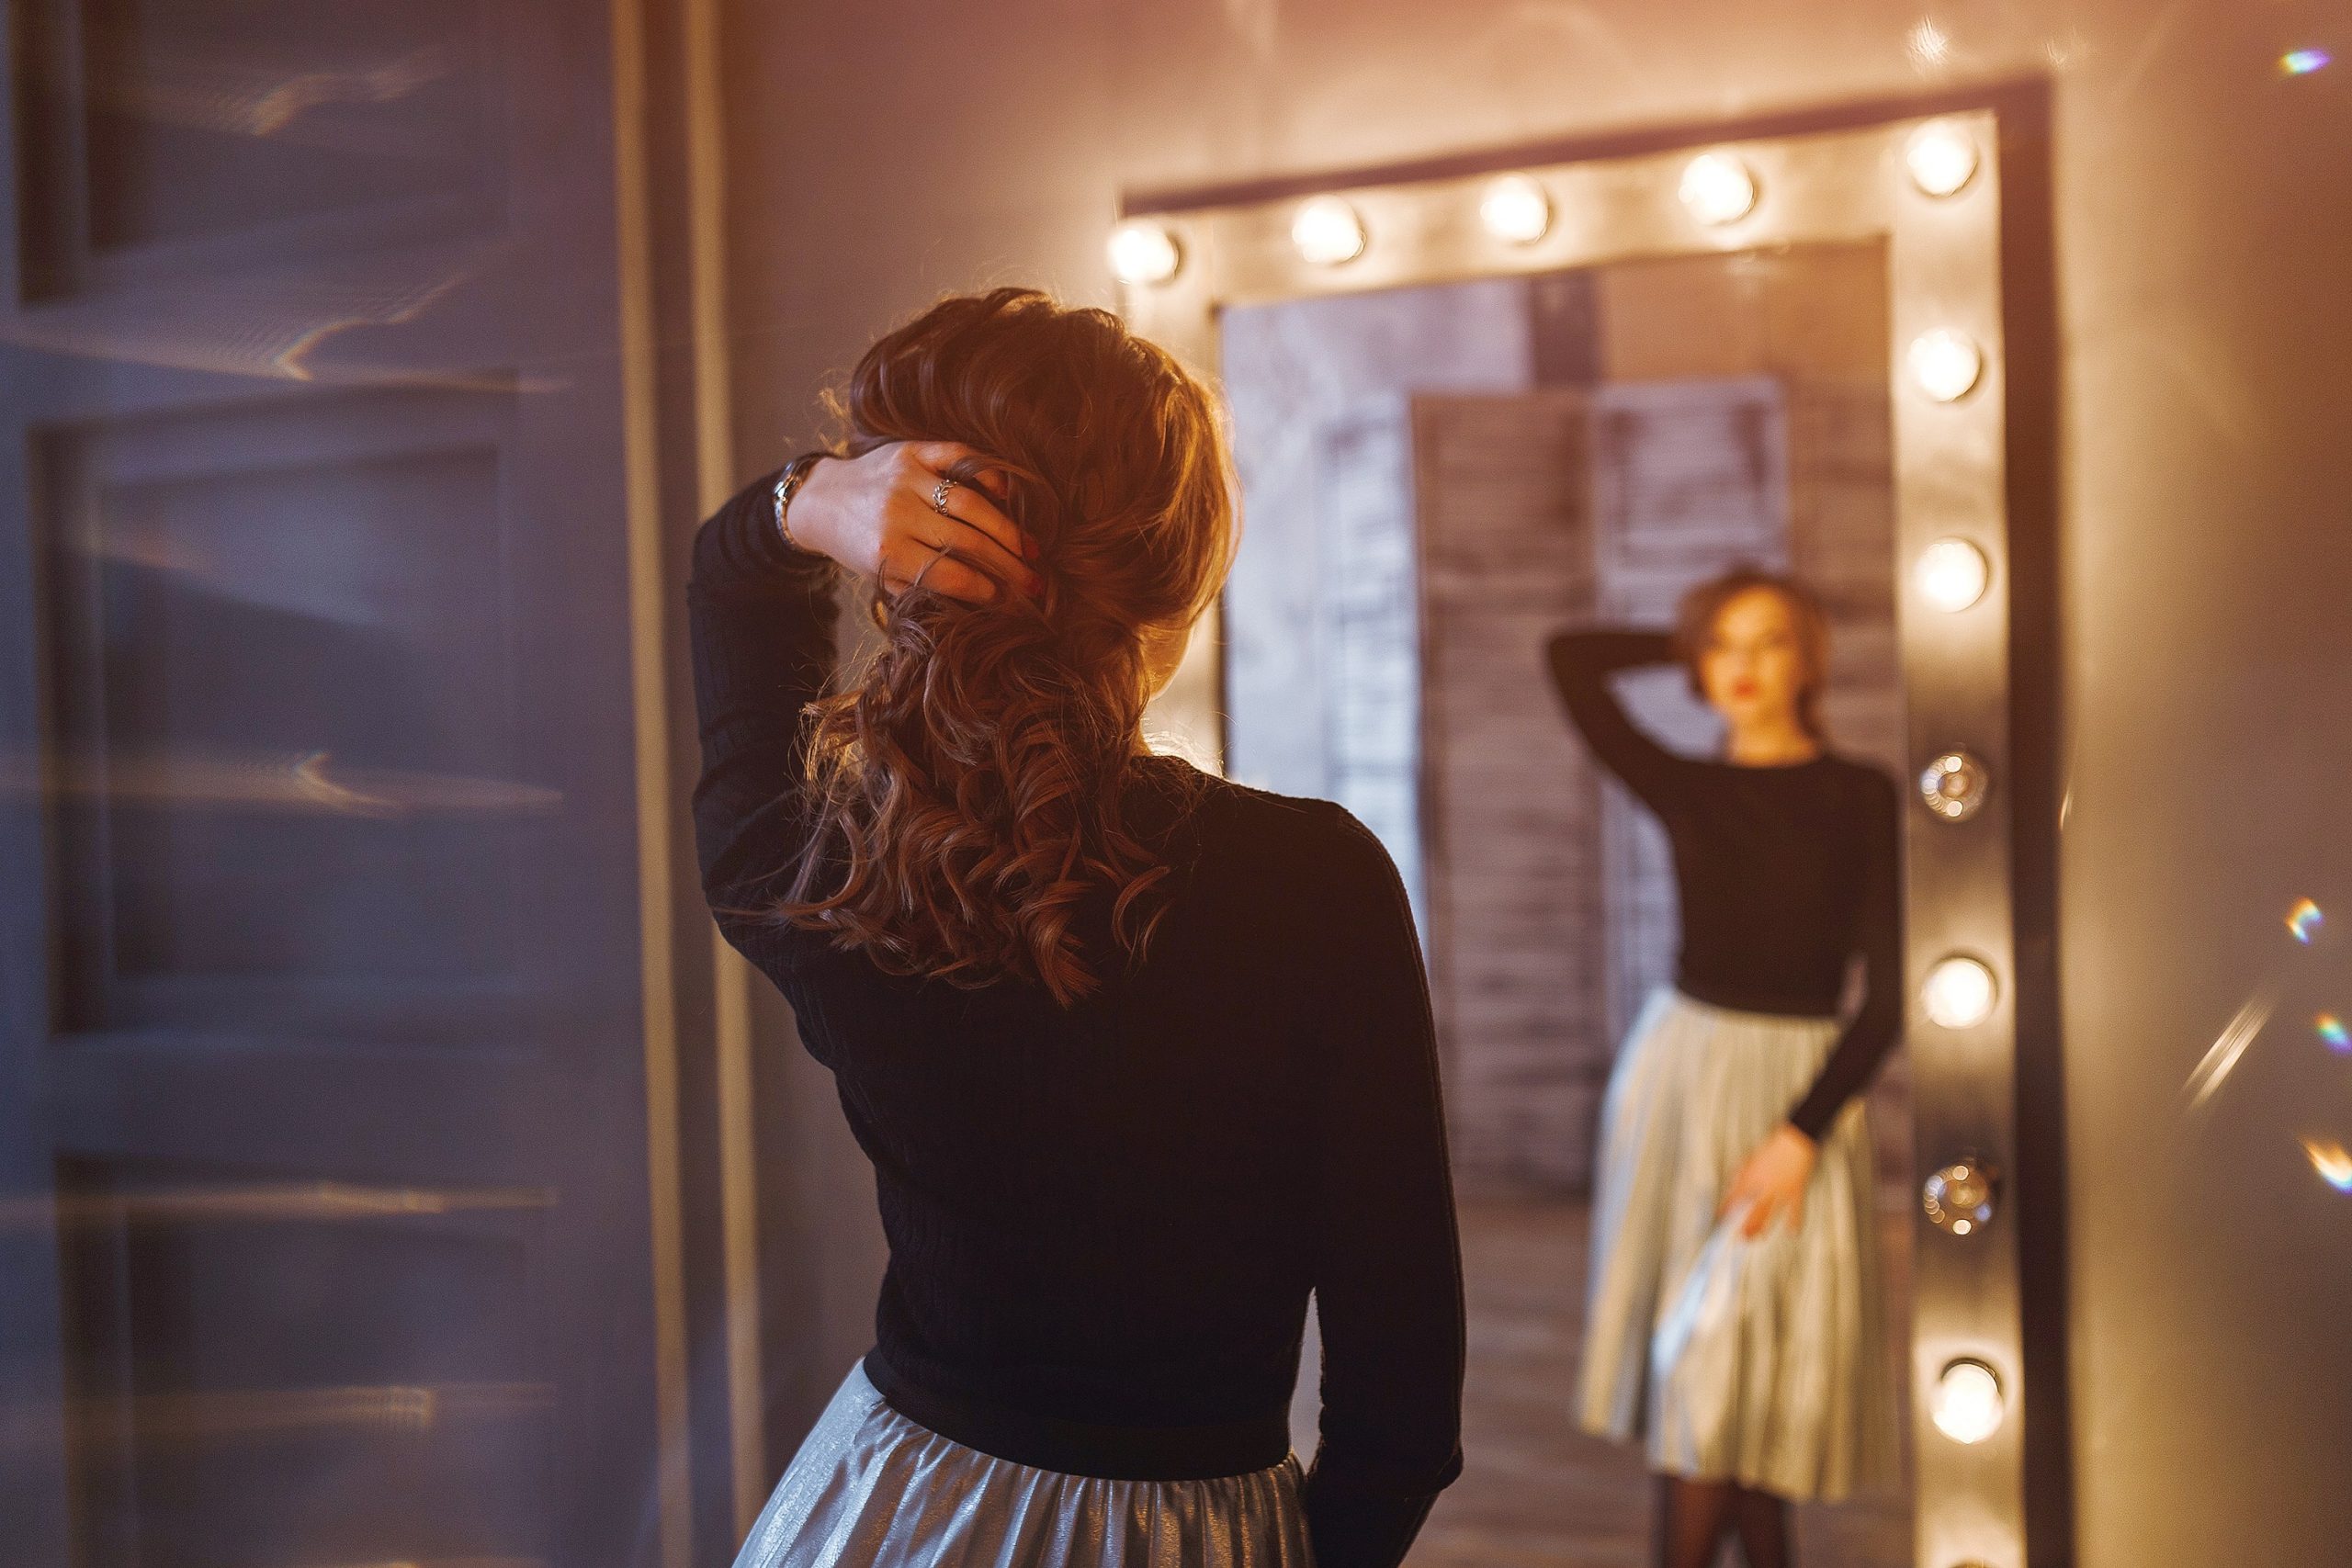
(939, 496)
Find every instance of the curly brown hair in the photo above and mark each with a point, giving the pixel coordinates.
(968, 789)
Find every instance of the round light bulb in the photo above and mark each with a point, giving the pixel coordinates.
(1144, 252)
(1327, 232)
(1516, 209)
(1945, 363)
(1941, 157)
(1967, 1403)
(1717, 188)
(1953, 574)
(1960, 992)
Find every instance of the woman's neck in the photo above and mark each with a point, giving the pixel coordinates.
(1770, 746)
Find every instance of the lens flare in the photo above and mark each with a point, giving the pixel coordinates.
(2332, 1033)
(2335, 1167)
(2303, 62)
(2224, 1053)
(1928, 45)
(2304, 919)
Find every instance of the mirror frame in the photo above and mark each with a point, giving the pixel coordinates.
(1952, 480)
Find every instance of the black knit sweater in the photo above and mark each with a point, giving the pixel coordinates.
(1105, 1221)
(1785, 874)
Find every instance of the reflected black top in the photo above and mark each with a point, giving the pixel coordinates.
(1105, 1222)
(1784, 873)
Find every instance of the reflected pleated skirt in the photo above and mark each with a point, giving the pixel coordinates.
(872, 1489)
(1763, 1362)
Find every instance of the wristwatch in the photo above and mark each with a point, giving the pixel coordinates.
(787, 485)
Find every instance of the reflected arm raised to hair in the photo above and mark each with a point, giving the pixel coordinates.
(1581, 663)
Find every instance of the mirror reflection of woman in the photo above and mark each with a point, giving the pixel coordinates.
(1734, 1323)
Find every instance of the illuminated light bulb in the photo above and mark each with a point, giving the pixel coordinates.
(1327, 232)
(1946, 364)
(1951, 574)
(1143, 253)
(1941, 157)
(2303, 62)
(1960, 992)
(2304, 919)
(1717, 188)
(1516, 209)
(1967, 1403)
(2332, 1033)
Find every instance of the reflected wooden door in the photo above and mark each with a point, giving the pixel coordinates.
(327, 1230)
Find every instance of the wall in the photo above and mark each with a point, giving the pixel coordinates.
(887, 151)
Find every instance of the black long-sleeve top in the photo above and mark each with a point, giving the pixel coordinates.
(1105, 1222)
(1784, 873)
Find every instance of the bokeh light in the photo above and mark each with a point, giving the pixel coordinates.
(1516, 209)
(1945, 363)
(2332, 1033)
(2303, 62)
(1327, 232)
(1143, 253)
(1717, 188)
(1966, 1407)
(2329, 1159)
(1951, 574)
(1960, 992)
(2305, 920)
(1941, 157)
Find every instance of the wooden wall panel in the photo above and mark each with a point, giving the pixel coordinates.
(1509, 801)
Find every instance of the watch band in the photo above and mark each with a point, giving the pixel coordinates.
(787, 485)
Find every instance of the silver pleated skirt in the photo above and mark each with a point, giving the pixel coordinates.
(1763, 1362)
(871, 1489)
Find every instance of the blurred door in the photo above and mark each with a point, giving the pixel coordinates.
(327, 1237)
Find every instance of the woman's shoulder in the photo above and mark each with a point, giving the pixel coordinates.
(1866, 783)
(1277, 833)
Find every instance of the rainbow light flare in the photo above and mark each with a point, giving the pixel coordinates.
(2332, 1034)
(2303, 62)
(2335, 1167)
(2304, 919)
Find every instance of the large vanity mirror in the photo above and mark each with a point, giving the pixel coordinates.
(1472, 414)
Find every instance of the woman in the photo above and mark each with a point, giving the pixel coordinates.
(1734, 1315)
(1141, 1057)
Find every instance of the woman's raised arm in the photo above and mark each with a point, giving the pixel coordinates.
(1581, 663)
(760, 613)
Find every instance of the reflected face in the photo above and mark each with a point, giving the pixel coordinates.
(1753, 668)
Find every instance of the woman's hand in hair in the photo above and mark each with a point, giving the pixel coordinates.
(1773, 1181)
(874, 515)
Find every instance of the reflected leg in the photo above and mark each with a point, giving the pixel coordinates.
(1691, 1518)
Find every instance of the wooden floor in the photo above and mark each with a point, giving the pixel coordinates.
(1537, 1492)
